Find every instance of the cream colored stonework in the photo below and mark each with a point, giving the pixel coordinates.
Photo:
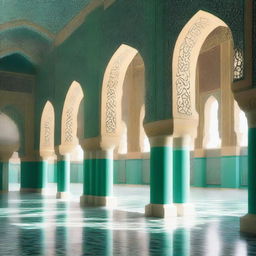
(111, 96)
(47, 131)
(185, 116)
(73, 99)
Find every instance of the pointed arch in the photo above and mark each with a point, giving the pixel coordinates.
(47, 129)
(112, 90)
(185, 56)
(69, 115)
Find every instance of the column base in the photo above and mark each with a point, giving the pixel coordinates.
(106, 201)
(248, 223)
(86, 200)
(185, 209)
(62, 195)
(33, 190)
(160, 210)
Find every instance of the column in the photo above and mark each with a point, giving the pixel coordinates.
(104, 178)
(161, 189)
(181, 175)
(248, 222)
(43, 173)
(86, 198)
(63, 176)
(98, 179)
(4, 176)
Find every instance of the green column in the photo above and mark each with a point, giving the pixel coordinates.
(43, 170)
(63, 174)
(161, 175)
(181, 170)
(252, 171)
(93, 167)
(86, 171)
(105, 173)
(1, 176)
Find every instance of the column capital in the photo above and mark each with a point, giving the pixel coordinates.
(183, 141)
(62, 154)
(100, 143)
(161, 141)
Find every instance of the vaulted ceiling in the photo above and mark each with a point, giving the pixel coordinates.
(28, 27)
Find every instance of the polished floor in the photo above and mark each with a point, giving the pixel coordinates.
(36, 225)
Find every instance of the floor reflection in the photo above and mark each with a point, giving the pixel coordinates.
(41, 225)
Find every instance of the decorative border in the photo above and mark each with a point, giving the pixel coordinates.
(183, 74)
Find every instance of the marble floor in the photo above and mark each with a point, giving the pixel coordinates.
(31, 224)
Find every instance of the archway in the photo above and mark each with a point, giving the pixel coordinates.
(69, 147)
(120, 125)
(203, 32)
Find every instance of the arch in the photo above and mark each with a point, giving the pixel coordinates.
(72, 102)
(11, 51)
(185, 56)
(34, 44)
(47, 130)
(112, 90)
(17, 24)
(211, 124)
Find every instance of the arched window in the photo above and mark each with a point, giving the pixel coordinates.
(211, 127)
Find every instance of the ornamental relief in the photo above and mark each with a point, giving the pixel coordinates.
(68, 130)
(74, 98)
(238, 64)
(112, 91)
(47, 132)
(183, 73)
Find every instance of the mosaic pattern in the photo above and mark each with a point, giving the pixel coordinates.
(69, 125)
(51, 14)
(111, 103)
(238, 64)
(33, 225)
(183, 74)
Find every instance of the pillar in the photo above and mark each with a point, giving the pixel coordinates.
(33, 176)
(181, 175)
(88, 180)
(43, 173)
(63, 176)
(4, 176)
(104, 178)
(248, 222)
(161, 189)
(99, 174)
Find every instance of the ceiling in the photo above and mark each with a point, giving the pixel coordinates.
(52, 15)
(28, 27)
